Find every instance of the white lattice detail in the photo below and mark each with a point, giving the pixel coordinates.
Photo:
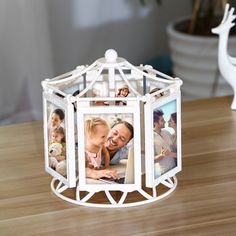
(171, 184)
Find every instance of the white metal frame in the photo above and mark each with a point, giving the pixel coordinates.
(67, 107)
(150, 106)
(86, 77)
(58, 189)
(134, 110)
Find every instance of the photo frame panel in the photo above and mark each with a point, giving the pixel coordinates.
(50, 103)
(150, 106)
(84, 110)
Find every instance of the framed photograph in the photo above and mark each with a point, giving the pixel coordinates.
(58, 137)
(109, 147)
(163, 138)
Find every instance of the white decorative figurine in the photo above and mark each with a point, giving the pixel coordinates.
(108, 125)
(227, 64)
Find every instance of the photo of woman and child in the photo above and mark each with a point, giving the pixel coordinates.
(165, 139)
(105, 146)
(56, 141)
(123, 91)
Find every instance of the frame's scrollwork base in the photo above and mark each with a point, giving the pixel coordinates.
(59, 189)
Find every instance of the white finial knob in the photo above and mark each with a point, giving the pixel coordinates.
(111, 55)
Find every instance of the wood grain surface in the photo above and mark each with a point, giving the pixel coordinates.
(204, 202)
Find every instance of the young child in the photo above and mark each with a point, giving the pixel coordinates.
(96, 131)
(123, 91)
(57, 150)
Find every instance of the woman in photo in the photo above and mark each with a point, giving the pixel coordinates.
(56, 120)
(123, 91)
(172, 123)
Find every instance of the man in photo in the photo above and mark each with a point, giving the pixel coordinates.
(164, 158)
(118, 138)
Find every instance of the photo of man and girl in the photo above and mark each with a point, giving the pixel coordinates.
(106, 144)
(108, 138)
(56, 139)
(165, 138)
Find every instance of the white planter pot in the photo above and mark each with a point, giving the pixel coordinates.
(195, 62)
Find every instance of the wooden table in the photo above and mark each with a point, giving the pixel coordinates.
(204, 202)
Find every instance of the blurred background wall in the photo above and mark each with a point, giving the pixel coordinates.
(43, 39)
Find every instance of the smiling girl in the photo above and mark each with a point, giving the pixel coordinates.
(96, 131)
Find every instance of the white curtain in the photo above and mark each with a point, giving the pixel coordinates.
(25, 59)
(45, 38)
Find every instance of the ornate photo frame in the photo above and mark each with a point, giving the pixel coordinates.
(162, 149)
(111, 114)
(59, 158)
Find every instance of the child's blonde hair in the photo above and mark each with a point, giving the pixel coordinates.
(92, 123)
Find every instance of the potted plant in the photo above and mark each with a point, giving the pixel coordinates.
(194, 50)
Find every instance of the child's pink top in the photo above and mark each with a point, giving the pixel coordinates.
(93, 159)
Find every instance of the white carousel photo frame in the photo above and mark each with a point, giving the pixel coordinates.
(111, 114)
(59, 155)
(157, 170)
(95, 100)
